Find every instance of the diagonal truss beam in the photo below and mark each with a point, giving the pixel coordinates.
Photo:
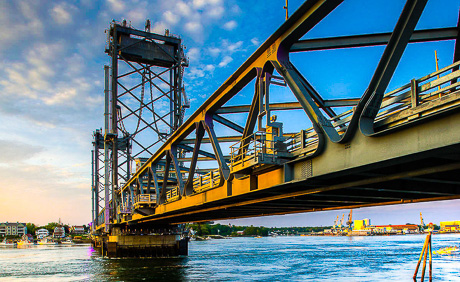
(391, 56)
(175, 162)
(199, 133)
(303, 93)
(228, 123)
(209, 127)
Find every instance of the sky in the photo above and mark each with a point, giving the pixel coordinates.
(51, 86)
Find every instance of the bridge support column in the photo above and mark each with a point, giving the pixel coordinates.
(140, 245)
(146, 246)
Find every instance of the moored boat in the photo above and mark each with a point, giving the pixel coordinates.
(67, 242)
(5, 243)
(46, 241)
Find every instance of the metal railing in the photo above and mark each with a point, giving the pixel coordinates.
(257, 145)
(306, 141)
(124, 209)
(145, 199)
(420, 91)
(207, 181)
(172, 195)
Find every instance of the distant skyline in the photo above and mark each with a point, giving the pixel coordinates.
(51, 87)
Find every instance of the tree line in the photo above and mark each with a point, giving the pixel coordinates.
(204, 229)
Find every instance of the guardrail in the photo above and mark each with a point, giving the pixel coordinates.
(306, 141)
(172, 195)
(145, 199)
(420, 91)
(207, 181)
(257, 145)
(124, 209)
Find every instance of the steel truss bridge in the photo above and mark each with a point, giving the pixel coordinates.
(385, 147)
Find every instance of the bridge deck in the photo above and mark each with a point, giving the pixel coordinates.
(413, 164)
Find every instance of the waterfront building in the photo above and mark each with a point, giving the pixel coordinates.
(450, 226)
(77, 229)
(401, 228)
(59, 232)
(361, 224)
(42, 233)
(14, 229)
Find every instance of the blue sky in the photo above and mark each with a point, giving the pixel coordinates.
(51, 85)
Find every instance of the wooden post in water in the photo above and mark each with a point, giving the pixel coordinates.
(424, 256)
(431, 269)
(424, 260)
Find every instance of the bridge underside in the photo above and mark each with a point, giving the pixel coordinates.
(424, 177)
(414, 176)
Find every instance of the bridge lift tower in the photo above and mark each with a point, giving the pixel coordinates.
(144, 104)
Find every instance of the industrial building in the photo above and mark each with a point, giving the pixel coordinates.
(364, 227)
(450, 226)
(14, 229)
(396, 229)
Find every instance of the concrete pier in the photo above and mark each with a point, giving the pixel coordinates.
(170, 245)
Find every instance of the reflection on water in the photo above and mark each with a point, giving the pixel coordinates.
(282, 258)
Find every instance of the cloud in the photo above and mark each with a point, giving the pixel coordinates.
(137, 16)
(19, 20)
(194, 27)
(61, 97)
(216, 12)
(117, 6)
(235, 46)
(61, 13)
(194, 54)
(230, 25)
(159, 27)
(16, 151)
(171, 18)
(214, 51)
(183, 9)
(198, 4)
(44, 184)
(210, 68)
(255, 41)
(225, 61)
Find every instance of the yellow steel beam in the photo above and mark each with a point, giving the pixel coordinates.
(307, 16)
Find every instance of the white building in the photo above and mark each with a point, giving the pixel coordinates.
(15, 229)
(42, 233)
(59, 232)
(78, 229)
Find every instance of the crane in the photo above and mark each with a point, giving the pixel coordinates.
(341, 222)
(350, 219)
(422, 224)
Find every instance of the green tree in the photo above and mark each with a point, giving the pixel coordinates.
(31, 228)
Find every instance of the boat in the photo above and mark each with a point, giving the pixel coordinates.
(5, 243)
(67, 242)
(45, 241)
(24, 243)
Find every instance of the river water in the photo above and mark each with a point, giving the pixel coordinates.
(378, 258)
